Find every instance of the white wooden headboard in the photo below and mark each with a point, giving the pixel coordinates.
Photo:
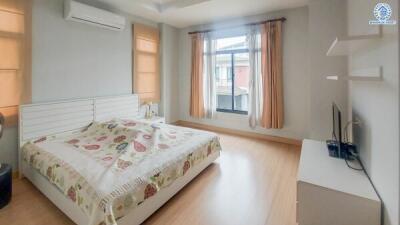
(43, 119)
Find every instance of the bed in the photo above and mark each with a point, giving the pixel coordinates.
(101, 166)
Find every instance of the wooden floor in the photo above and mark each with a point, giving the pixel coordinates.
(252, 183)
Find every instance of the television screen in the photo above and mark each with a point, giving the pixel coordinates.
(337, 124)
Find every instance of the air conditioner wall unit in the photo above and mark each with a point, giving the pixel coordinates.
(79, 12)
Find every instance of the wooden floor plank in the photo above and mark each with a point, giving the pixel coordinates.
(253, 182)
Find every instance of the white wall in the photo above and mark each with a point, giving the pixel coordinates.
(327, 19)
(169, 106)
(376, 104)
(9, 146)
(68, 56)
(73, 60)
(295, 73)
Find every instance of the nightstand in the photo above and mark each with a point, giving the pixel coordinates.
(5, 184)
(154, 119)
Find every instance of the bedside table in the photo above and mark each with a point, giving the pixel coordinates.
(5, 184)
(154, 119)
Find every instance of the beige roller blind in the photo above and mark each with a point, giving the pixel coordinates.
(15, 41)
(146, 63)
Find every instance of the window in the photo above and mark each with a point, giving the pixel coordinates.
(232, 74)
(146, 77)
(14, 57)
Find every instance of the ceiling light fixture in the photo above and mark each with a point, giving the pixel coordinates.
(161, 7)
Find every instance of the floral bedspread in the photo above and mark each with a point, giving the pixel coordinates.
(109, 168)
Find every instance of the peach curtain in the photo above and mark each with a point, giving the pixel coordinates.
(271, 69)
(197, 95)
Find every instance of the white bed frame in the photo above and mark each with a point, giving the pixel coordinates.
(37, 120)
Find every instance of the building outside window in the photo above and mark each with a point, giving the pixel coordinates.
(232, 74)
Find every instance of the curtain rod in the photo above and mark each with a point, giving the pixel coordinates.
(283, 19)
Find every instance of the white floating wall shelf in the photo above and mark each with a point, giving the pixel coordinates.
(370, 74)
(345, 45)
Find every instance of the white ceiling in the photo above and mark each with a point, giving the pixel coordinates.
(184, 13)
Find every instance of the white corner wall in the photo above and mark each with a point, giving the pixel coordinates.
(376, 104)
(327, 20)
(169, 106)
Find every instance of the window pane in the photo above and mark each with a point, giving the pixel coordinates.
(232, 43)
(146, 45)
(15, 6)
(9, 91)
(146, 63)
(223, 69)
(146, 77)
(146, 82)
(9, 53)
(11, 22)
(242, 69)
(10, 114)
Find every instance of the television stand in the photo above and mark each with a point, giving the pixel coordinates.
(328, 192)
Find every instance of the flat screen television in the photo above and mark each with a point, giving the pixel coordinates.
(337, 126)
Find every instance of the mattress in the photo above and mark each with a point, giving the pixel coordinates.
(109, 168)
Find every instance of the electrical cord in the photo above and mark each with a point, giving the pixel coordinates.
(346, 139)
(362, 168)
(351, 167)
(373, 186)
(369, 178)
(354, 155)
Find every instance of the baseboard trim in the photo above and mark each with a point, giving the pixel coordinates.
(239, 132)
